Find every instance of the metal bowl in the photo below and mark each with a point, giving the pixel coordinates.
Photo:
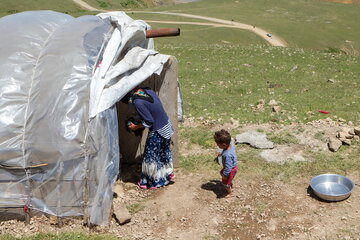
(332, 187)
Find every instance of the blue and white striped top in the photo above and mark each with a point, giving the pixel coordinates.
(166, 131)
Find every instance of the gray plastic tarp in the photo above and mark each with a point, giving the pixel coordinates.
(60, 77)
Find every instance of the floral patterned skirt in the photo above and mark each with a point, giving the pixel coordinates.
(157, 165)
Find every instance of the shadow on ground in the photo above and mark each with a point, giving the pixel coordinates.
(216, 186)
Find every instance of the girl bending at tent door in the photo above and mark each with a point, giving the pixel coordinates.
(157, 165)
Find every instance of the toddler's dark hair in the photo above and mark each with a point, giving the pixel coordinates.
(222, 136)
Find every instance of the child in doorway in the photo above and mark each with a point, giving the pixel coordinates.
(229, 159)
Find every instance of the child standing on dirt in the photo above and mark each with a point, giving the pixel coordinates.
(229, 159)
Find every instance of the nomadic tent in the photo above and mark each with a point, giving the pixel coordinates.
(60, 79)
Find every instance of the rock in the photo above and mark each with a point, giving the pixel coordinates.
(261, 104)
(121, 215)
(275, 85)
(349, 136)
(294, 68)
(357, 130)
(282, 154)
(342, 135)
(53, 220)
(346, 141)
(334, 144)
(348, 130)
(272, 102)
(255, 139)
(351, 132)
(276, 109)
(341, 120)
(119, 190)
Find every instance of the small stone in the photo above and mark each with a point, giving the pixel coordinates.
(294, 68)
(342, 135)
(357, 130)
(351, 132)
(272, 102)
(122, 215)
(346, 141)
(276, 109)
(334, 144)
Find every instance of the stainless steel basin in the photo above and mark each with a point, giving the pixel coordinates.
(332, 187)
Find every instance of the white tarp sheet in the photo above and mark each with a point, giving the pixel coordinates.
(59, 80)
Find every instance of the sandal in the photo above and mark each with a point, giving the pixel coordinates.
(142, 186)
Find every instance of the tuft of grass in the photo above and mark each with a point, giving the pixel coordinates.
(121, 4)
(320, 136)
(334, 50)
(281, 214)
(103, 4)
(196, 163)
(198, 135)
(211, 237)
(261, 206)
(301, 130)
(135, 208)
(283, 138)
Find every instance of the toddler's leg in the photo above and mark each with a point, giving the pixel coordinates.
(229, 191)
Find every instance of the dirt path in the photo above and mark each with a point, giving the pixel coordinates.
(85, 5)
(273, 40)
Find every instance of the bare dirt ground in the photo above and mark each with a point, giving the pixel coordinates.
(193, 206)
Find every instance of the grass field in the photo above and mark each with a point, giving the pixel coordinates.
(237, 78)
(302, 23)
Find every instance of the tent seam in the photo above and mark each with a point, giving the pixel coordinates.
(30, 90)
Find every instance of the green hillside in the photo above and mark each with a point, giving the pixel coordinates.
(14, 6)
(301, 23)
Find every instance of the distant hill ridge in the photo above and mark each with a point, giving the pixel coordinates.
(345, 1)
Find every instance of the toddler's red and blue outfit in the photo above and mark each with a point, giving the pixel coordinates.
(230, 163)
